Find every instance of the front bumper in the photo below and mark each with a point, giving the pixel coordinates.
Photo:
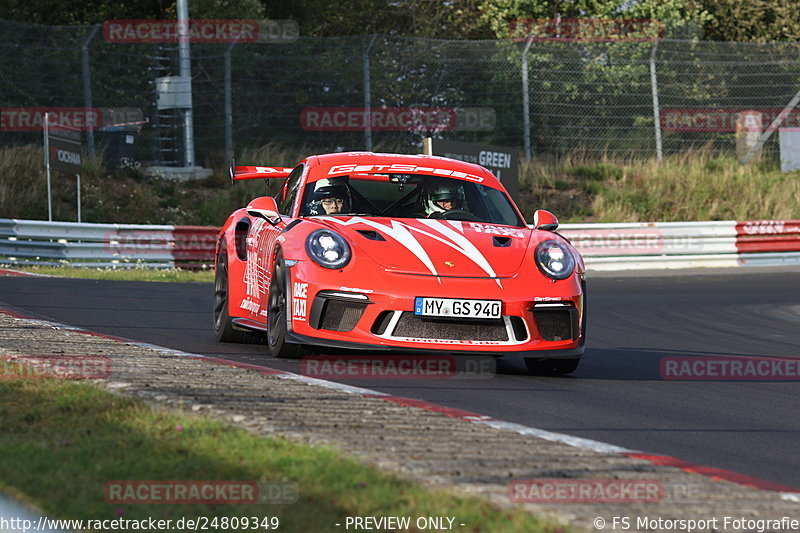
(541, 318)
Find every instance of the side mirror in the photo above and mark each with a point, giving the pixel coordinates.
(544, 220)
(264, 207)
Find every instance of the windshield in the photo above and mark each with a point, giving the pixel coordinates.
(408, 196)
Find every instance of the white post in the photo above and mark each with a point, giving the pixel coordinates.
(79, 196)
(46, 126)
(427, 146)
(771, 129)
(186, 73)
(656, 108)
(87, 90)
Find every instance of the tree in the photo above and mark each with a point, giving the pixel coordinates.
(453, 19)
(675, 15)
(752, 20)
(85, 12)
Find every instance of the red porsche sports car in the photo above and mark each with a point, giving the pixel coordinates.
(395, 252)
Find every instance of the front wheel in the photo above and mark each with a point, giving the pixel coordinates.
(551, 367)
(276, 314)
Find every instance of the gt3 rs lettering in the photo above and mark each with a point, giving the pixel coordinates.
(398, 168)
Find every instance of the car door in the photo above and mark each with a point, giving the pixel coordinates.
(261, 242)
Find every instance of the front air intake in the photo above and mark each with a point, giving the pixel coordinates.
(557, 324)
(413, 326)
(337, 311)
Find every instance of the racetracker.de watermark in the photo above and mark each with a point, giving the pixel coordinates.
(67, 118)
(200, 31)
(586, 491)
(563, 491)
(738, 368)
(725, 119)
(586, 30)
(200, 492)
(55, 367)
(398, 366)
(430, 119)
(190, 242)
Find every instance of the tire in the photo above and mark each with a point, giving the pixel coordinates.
(223, 327)
(277, 306)
(551, 367)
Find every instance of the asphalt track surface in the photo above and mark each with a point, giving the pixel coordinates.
(616, 396)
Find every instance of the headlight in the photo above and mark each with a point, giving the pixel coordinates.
(328, 249)
(554, 259)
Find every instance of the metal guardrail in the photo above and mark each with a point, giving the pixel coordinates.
(614, 246)
(656, 245)
(104, 245)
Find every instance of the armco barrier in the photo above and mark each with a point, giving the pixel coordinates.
(758, 236)
(105, 245)
(194, 245)
(672, 245)
(620, 246)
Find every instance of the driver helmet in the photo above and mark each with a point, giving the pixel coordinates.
(329, 192)
(444, 192)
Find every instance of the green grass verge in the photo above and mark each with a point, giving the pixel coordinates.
(123, 274)
(62, 441)
(701, 184)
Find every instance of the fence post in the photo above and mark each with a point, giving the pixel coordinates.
(656, 108)
(526, 104)
(776, 123)
(228, 105)
(368, 96)
(87, 89)
(185, 61)
(46, 132)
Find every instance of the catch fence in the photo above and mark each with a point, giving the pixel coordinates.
(627, 99)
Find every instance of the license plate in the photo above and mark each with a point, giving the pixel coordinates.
(457, 307)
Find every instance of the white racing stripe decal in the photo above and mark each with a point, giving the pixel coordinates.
(460, 244)
(455, 240)
(399, 232)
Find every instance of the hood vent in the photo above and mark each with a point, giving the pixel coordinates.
(502, 242)
(371, 234)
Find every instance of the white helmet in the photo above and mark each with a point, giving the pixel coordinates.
(441, 192)
(325, 189)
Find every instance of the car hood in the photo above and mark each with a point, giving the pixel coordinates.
(436, 247)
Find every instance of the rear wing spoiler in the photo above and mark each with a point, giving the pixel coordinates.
(255, 173)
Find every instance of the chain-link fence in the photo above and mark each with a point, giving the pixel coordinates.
(388, 92)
